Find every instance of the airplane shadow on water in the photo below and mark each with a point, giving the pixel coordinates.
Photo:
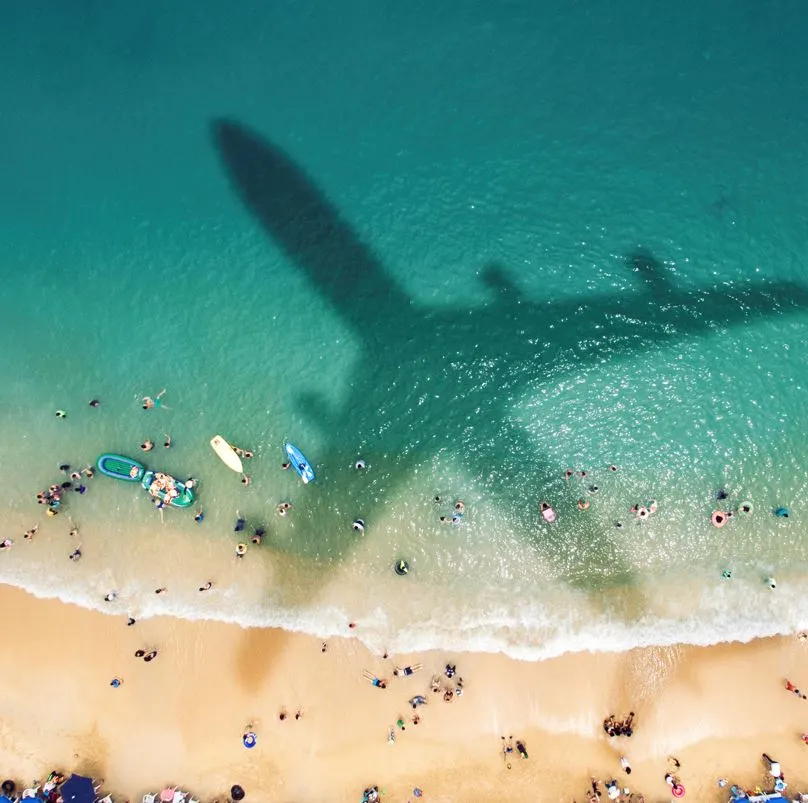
(416, 360)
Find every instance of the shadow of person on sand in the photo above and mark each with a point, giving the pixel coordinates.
(436, 347)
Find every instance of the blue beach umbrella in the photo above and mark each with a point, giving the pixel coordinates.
(4, 799)
(78, 789)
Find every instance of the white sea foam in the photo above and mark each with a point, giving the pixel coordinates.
(531, 635)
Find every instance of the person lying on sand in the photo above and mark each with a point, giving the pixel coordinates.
(374, 681)
(406, 671)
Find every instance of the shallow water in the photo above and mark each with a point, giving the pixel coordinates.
(474, 248)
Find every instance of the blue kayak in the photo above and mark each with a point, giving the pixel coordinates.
(299, 462)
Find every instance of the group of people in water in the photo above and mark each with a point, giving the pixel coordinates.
(166, 485)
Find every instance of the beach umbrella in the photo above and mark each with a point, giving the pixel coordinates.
(78, 789)
(4, 799)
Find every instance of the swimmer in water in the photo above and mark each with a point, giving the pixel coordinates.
(199, 517)
(582, 504)
(240, 522)
(241, 550)
(258, 535)
(286, 466)
(167, 443)
(359, 525)
(245, 480)
(460, 507)
(147, 445)
(149, 402)
(94, 403)
(360, 464)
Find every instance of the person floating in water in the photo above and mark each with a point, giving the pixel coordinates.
(149, 402)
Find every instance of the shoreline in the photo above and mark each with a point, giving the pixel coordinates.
(716, 708)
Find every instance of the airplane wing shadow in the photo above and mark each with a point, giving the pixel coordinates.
(428, 348)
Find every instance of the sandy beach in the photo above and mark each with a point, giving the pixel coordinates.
(180, 719)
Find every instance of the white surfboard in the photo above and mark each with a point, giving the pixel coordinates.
(226, 453)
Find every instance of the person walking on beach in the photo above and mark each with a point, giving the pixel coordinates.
(794, 690)
(207, 586)
(625, 765)
(507, 750)
(373, 680)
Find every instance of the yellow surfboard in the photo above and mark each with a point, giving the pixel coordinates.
(226, 453)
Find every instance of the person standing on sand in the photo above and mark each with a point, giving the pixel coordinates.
(794, 690)
(774, 766)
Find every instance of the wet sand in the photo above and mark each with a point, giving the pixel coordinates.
(180, 718)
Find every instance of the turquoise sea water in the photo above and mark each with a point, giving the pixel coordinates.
(475, 246)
